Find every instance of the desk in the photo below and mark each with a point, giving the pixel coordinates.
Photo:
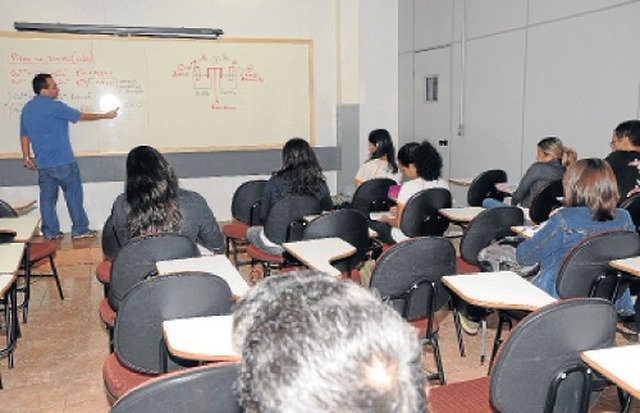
(504, 290)
(22, 206)
(525, 231)
(463, 214)
(465, 181)
(629, 265)
(24, 226)
(318, 253)
(200, 338)
(214, 264)
(621, 365)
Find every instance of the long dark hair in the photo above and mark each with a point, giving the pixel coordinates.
(152, 193)
(381, 139)
(301, 168)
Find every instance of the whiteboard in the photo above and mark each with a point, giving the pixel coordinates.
(175, 94)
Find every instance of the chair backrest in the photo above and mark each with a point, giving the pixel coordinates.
(109, 240)
(347, 224)
(543, 345)
(6, 210)
(245, 205)
(545, 200)
(285, 220)
(632, 205)
(206, 389)
(585, 270)
(489, 225)
(373, 195)
(420, 216)
(407, 265)
(138, 328)
(483, 186)
(137, 259)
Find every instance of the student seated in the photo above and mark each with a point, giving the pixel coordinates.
(590, 198)
(422, 165)
(625, 157)
(551, 162)
(153, 203)
(312, 343)
(382, 159)
(300, 175)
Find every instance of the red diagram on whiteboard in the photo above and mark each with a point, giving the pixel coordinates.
(219, 77)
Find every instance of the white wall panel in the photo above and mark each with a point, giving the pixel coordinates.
(493, 107)
(432, 21)
(545, 10)
(494, 16)
(581, 82)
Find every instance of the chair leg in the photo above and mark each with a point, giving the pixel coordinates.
(438, 357)
(110, 331)
(27, 286)
(57, 278)
(497, 341)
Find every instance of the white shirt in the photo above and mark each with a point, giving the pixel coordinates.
(377, 168)
(407, 190)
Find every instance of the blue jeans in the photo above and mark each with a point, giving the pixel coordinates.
(66, 177)
(492, 203)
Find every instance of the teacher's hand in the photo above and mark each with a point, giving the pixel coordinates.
(29, 163)
(112, 113)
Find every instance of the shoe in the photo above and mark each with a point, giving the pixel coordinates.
(88, 234)
(59, 235)
(469, 327)
(628, 329)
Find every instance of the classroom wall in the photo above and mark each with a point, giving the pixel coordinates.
(354, 40)
(514, 71)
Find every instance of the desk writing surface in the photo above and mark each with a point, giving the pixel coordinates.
(619, 364)
(526, 231)
(503, 290)
(5, 282)
(10, 257)
(200, 338)
(21, 204)
(24, 226)
(318, 253)
(628, 265)
(215, 264)
(463, 181)
(463, 214)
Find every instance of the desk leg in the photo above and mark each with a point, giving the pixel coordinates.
(11, 322)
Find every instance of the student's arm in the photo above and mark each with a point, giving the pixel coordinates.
(98, 116)
(27, 160)
(209, 234)
(547, 239)
(395, 213)
(526, 184)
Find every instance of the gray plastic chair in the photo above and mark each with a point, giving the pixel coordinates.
(408, 276)
(207, 389)
(538, 368)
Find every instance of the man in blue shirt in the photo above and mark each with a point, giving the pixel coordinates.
(44, 125)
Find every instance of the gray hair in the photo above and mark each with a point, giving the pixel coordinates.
(312, 343)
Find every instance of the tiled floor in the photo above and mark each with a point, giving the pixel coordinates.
(59, 357)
